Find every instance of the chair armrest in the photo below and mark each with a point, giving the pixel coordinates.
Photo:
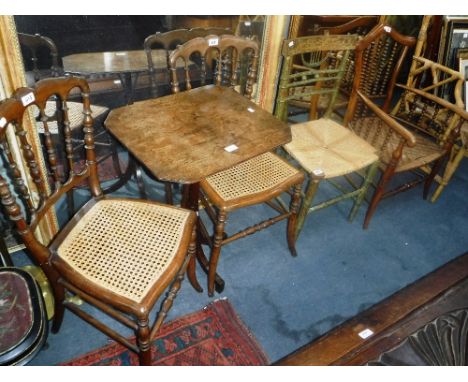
(442, 102)
(389, 121)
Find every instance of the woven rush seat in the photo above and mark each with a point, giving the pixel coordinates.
(325, 147)
(425, 151)
(122, 246)
(266, 172)
(75, 114)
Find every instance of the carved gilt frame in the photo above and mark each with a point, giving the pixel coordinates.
(12, 76)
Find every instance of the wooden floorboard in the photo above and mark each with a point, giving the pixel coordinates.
(390, 320)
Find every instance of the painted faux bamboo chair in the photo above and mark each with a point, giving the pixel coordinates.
(416, 138)
(117, 254)
(258, 180)
(325, 149)
(435, 79)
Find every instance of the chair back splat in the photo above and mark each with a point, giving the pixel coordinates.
(224, 60)
(36, 47)
(117, 254)
(312, 72)
(379, 58)
(158, 46)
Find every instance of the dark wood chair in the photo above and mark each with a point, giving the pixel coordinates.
(39, 46)
(325, 149)
(165, 42)
(258, 180)
(416, 138)
(117, 254)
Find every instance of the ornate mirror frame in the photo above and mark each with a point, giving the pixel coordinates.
(11, 77)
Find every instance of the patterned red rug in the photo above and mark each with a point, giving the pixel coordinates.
(213, 336)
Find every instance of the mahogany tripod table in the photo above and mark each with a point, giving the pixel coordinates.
(185, 137)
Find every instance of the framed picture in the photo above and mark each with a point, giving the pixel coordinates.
(462, 66)
(454, 40)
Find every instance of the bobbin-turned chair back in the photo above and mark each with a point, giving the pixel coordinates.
(26, 207)
(379, 58)
(231, 60)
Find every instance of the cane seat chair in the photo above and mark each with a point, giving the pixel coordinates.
(38, 46)
(255, 181)
(117, 254)
(325, 149)
(416, 139)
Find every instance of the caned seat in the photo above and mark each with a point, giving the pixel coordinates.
(325, 147)
(264, 174)
(75, 113)
(118, 255)
(122, 246)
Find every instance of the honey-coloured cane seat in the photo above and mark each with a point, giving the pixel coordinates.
(122, 246)
(119, 255)
(75, 112)
(265, 174)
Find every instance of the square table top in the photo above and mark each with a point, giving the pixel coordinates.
(183, 137)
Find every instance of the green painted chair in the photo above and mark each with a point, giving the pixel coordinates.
(324, 148)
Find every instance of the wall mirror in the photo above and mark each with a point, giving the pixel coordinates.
(74, 34)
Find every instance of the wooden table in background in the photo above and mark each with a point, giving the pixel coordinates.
(182, 138)
(125, 64)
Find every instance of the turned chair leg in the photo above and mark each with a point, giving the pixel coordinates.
(168, 193)
(292, 220)
(144, 342)
(312, 187)
(449, 171)
(216, 251)
(59, 308)
(115, 156)
(431, 176)
(371, 171)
